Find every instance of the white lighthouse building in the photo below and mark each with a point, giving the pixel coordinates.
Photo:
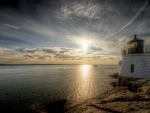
(135, 60)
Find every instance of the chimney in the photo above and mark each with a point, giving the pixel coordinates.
(135, 37)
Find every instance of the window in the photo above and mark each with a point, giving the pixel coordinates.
(132, 68)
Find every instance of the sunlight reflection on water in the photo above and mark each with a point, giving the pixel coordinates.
(84, 85)
(85, 69)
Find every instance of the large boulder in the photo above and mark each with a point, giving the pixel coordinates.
(142, 85)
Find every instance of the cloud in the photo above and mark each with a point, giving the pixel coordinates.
(11, 26)
(52, 30)
(133, 18)
(82, 9)
(47, 55)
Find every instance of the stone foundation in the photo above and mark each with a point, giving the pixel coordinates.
(123, 81)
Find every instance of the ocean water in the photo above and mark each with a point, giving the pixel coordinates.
(26, 88)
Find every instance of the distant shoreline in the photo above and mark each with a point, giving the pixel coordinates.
(60, 64)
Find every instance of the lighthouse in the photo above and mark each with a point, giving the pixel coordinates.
(135, 62)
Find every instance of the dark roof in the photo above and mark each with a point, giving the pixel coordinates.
(135, 39)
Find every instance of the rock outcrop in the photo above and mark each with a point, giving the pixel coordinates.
(118, 100)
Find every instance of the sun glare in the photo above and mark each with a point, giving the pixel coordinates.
(84, 45)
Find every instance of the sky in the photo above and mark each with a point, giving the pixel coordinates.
(70, 31)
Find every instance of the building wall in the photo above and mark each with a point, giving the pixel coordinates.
(147, 49)
(136, 65)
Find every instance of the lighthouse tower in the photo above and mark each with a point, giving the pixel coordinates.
(135, 60)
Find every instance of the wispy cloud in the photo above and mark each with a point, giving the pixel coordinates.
(83, 9)
(133, 18)
(11, 26)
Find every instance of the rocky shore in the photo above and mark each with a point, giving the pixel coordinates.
(132, 97)
(124, 99)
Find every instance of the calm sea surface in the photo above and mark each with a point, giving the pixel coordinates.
(28, 87)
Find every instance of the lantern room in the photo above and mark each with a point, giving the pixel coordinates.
(135, 46)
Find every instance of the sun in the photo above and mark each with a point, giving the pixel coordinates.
(84, 44)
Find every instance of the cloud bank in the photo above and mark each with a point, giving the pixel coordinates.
(42, 31)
